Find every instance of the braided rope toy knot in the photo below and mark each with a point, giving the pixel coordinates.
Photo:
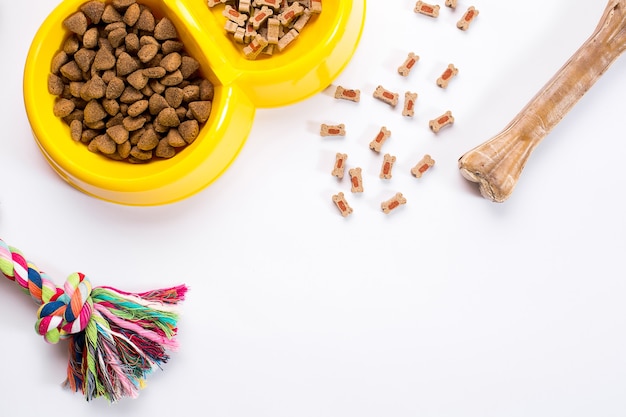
(69, 312)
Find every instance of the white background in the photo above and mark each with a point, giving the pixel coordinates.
(450, 306)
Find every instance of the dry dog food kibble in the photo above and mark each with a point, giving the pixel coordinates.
(408, 64)
(346, 94)
(450, 72)
(422, 166)
(356, 180)
(387, 167)
(332, 130)
(340, 201)
(467, 18)
(125, 84)
(409, 104)
(377, 143)
(438, 123)
(426, 9)
(264, 26)
(393, 203)
(340, 165)
(386, 96)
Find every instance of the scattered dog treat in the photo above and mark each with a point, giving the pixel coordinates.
(409, 104)
(447, 75)
(125, 84)
(467, 18)
(422, 166)
(393, 203)
(332, 130)
(408, 64)
(340, 165)
(451, 4)
(387, 167)
(377, 143)
(346, 94)
(340, 201)
(441, 121)
(386, 96)
(277, 22)
(356, 180)
(426, 9)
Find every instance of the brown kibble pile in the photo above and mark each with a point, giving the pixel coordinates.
(125, 85)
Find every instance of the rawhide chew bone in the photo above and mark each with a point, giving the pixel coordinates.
(469, 15)
(496, 165)
(426, 9)
(408, 64)
(340, 201)
(393, 203)
(115, 338)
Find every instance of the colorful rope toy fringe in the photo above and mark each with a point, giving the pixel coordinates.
(115, 338)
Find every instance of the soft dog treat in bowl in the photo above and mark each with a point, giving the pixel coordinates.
(239, 87)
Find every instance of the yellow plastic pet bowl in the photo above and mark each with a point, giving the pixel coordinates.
(304, 68)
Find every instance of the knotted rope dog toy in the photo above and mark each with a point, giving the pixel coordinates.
(115, 338)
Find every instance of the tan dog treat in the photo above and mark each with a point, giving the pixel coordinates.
(422, 166)
(274, 4)
(254, 48)
(287, 39)
(213, 3)
(244, 6)
(408, 64)
(230, 26)
(409, 104)
(233, 14)
(304, 18)
(340, 201)
(347, 94)
(393, 203)
(387, 166)
(340, 165)
(260, 16)
(316, 6)
(386, 96)
(451, 4)
(445, 119)
(426, 9)
(332, 130)
(467, 18)
(290, 13)
(447, 75)
(356, 180)
(273, 31)
(377, 143)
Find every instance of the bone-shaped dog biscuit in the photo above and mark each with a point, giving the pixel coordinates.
(340, 201)
(450, 72)
(356, 180)
(377, 143)
(254, 48)
(467, 18)
(386, 96)
(332, 130)
(340, 165)
(409, 104)
(408, 64)
(233, 14)
(438, 123)
(426, 9)
(387, 167)
(260, 16)
(290, 13)
(422, 166)
(393, 203)
(451, 4)
(347, 94)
